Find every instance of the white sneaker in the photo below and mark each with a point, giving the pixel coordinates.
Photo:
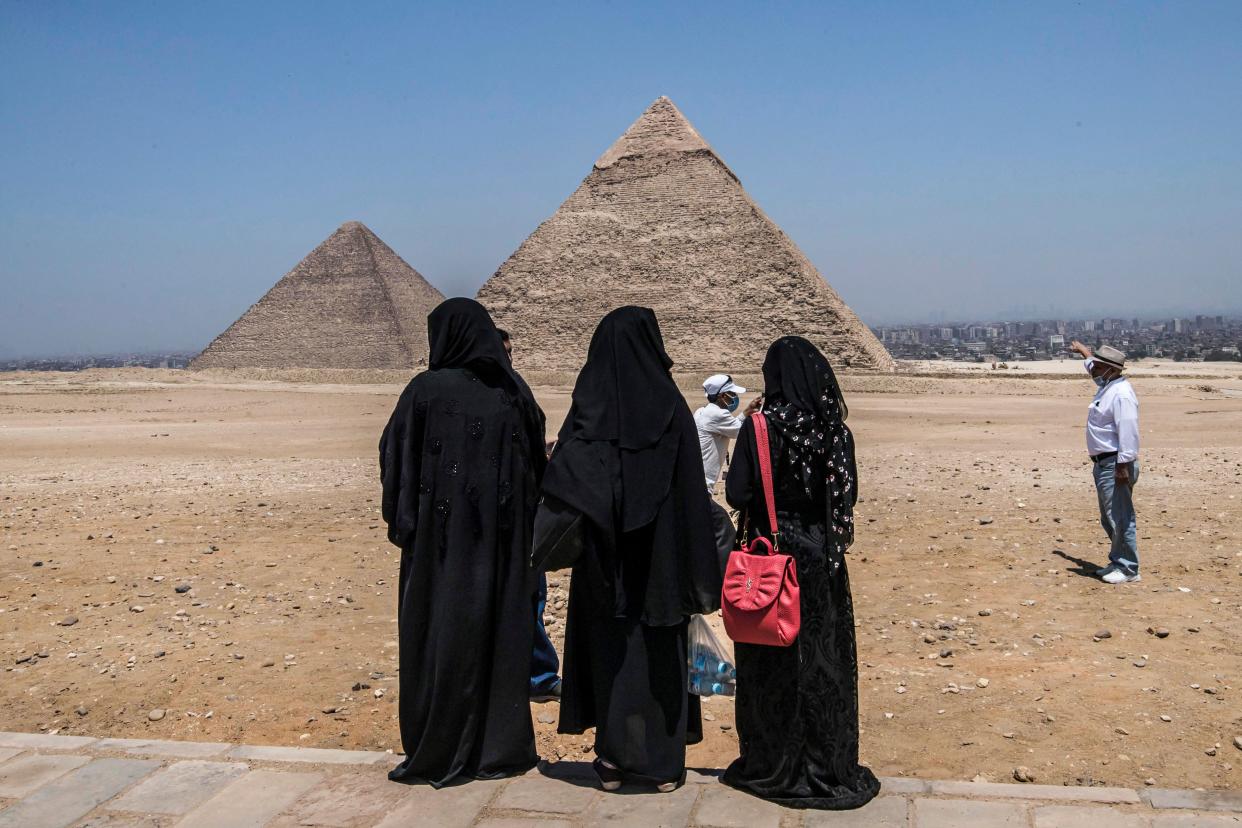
(1117, 575)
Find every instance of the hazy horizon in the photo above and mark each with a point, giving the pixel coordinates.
(163, 166)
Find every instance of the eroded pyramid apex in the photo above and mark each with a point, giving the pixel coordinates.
(660, 129)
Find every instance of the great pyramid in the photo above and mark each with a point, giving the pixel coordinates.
(351, 303)
(662, 221)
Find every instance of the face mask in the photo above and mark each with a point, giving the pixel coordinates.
(1101, 381)
(734, 403)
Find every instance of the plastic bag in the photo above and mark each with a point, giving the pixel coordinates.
(710, 667)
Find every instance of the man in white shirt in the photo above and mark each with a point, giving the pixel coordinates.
(717, 425)
(1113, 445)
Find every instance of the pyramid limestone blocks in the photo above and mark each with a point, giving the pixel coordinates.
(351, 303)
(662, 222)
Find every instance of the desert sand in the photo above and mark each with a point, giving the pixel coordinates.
(201, 556)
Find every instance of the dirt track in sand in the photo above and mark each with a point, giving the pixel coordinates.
(261, 497)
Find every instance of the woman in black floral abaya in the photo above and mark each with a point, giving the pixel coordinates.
(797, 706)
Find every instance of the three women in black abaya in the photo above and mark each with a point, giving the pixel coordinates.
(461, 460)
(797, 706)
(625, 481)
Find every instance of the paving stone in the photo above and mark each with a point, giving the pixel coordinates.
(40, 741)
(525, 822)
(179, 788)
(456, 806)
(350, 800)
(956, 813)
(723, 807)
(634, 807)
(1195, 800)
(881, 812)
(901, 785)
(693, 777)
(8, 753)
(1012, 790)
(324, 756)
(251, 800)
(163, 747)
(576, 771)
(1195, 821)
(69, 798)
(114, 820)
(545, 794)
(1085, 816)
(21, 776)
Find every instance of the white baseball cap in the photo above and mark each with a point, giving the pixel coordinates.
(720, 383)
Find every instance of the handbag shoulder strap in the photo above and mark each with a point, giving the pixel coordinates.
(765, 469)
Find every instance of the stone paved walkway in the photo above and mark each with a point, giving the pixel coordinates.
(62, 781)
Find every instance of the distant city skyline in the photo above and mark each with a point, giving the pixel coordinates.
(161, 167)
(1158, 315)
(144, 356)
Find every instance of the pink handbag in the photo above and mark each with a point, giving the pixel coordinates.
(760, 600)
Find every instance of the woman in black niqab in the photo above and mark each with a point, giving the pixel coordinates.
(797, 706)
(627, 468)
(460, 461)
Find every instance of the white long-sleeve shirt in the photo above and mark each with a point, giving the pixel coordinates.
(1112, 420)
(716, 427)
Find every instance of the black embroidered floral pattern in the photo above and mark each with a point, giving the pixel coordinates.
(797, 707)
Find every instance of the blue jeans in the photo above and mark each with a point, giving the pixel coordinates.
(544, 664)
(1117, 513)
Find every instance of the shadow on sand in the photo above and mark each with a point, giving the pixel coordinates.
(1081, 566)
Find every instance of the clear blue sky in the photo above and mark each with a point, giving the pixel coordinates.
(163, 164)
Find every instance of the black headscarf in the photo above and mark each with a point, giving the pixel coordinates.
(624, 393)
(461, 334)
(628, 459)
(803, 403)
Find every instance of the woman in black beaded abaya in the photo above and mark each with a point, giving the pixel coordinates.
(797, 706)
(461, 461)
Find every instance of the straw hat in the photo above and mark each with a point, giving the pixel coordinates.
(1109, 355)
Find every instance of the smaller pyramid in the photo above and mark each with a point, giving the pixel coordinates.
(351, 303)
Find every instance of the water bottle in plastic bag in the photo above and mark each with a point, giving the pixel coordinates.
(710, 671)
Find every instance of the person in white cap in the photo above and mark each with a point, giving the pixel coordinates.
(717, 425)
(1113, 445)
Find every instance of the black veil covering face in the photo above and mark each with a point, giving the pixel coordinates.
(460, 462)
(628, 472)
(628, 435)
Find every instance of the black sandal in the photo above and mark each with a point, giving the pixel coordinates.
(610, 778)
